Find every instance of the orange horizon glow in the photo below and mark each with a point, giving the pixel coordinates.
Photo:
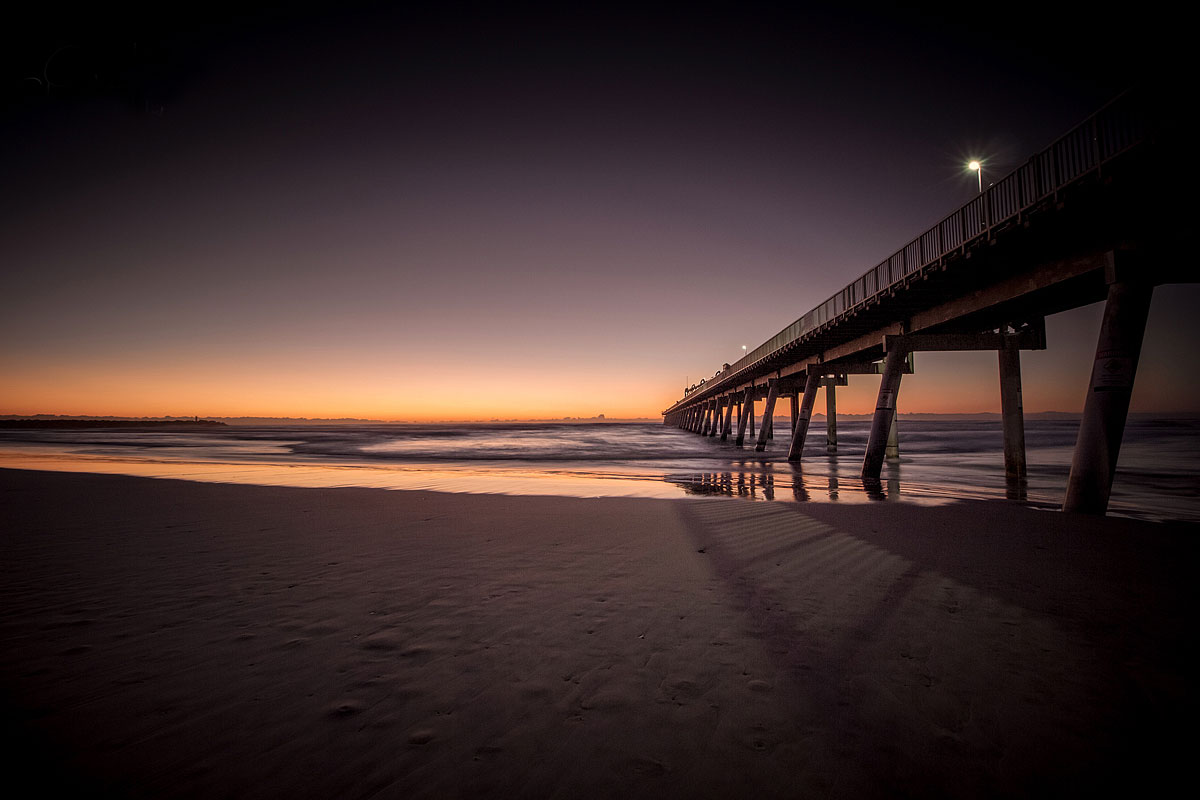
(429, 386)
(955, 383)
(549, 378)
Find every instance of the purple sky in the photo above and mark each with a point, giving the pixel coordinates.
(474, 214)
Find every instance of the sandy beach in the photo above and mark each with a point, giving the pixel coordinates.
(171, 639)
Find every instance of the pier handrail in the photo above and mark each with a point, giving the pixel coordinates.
(1114, 129)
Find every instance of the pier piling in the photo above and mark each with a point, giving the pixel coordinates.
(745, 414)
(885, 406)
(796, 449)
(830, 415)
(1011, 408)
(768, 414)
(750, 398)
(892, 451)
(1120, 343)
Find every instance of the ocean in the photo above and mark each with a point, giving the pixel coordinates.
(940, 460)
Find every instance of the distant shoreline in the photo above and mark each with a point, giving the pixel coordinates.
(77, 424)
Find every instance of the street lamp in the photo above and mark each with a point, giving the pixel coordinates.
(977, 167)
(743, 351)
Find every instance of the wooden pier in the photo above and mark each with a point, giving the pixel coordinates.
(1089, 218)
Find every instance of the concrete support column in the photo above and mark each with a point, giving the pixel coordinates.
(745, 414)
(1011, 409)
(795, 410)
(707, 418)
(885, 406)
(768, 413)
(728, 417)
(716, 424)
(796, 450)
(750, 411)
(1107, 403)
(893, 444)
(830, 415)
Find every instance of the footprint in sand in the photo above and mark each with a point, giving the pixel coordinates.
(382, 643)
(420, 737)
(346, 708)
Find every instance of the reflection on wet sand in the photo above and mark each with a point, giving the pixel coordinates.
(748, 479)
(761, 481)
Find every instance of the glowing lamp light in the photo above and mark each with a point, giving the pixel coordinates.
(975, 166)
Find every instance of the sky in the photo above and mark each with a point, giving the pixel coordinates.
(501, 211)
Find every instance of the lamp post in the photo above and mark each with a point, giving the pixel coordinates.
(977, 167)
(743, 351)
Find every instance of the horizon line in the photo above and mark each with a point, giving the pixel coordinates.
(484, 421)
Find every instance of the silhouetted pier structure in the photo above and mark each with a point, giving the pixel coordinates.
(1089, 218)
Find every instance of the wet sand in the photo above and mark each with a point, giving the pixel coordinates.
(164, 638)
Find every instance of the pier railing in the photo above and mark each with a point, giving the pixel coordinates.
(1108, 133)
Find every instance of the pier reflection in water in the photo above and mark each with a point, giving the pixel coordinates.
(833, 480)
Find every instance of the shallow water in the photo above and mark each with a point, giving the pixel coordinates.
(939, 461)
